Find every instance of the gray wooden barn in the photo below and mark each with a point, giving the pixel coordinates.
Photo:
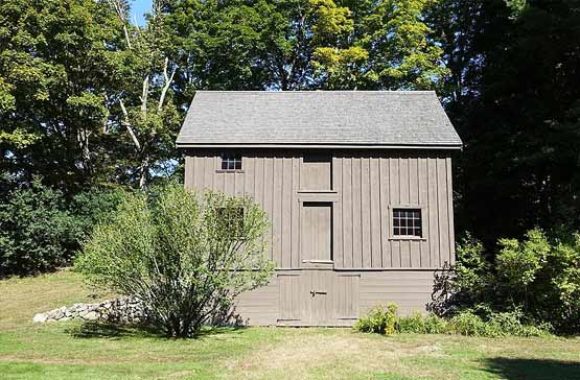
(357, 186)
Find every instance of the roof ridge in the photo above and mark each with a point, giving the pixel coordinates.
(378, 92)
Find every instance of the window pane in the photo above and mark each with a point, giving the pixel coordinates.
(231, 162)
(407, 222)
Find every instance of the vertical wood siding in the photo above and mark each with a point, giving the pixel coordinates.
(366, 185)
(286, 300)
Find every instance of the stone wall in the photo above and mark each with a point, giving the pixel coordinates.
(124, 310)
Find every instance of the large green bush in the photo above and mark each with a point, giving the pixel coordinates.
(186, 256)
(35, 231)
(537, 278)
(41, 230)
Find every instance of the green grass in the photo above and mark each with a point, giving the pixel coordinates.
(71, 350)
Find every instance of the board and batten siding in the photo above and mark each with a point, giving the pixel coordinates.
(365, 187)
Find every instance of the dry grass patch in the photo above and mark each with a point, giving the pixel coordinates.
(305, 352)
(21, 298)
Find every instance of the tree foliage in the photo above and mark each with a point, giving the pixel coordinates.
(186, 256)
(34, 232)
(65, 66)
(535, 277)
(40, 231)
(513, 96)
(304, 44)
(56, 65)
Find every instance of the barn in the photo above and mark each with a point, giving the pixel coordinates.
(357, 185)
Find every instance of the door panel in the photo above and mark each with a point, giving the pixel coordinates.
(291, 298)
(316, 231)
(345, 300)
(318, 292)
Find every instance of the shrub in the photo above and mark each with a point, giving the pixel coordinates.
(536, 276)
(89, 208)
(35, 231)
(419, 323)
(465, 323)
(496, 324)
(40, 230)
(510, 323)
(186, 256)
(379, 319)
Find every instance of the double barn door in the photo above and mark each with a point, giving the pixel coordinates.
(318, 298)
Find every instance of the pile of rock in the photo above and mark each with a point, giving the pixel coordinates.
(124, 310)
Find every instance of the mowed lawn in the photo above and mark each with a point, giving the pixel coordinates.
(71, 350)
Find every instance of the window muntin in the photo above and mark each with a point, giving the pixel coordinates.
(407, 222)
(231, 162)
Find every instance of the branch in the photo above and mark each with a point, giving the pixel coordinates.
(127, 125)
(145, 94)
(168, 80)
(121, 15)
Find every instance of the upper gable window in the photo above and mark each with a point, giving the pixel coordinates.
(407, 222)
(231, 162)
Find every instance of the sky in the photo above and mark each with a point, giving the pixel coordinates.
(138, 10)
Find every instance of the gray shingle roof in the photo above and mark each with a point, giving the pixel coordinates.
(317, 118)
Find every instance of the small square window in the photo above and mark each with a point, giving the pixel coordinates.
(407, 222)
(231, 162)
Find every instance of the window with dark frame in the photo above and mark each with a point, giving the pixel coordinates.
(233, 220)
(231, 162)
(407, 222)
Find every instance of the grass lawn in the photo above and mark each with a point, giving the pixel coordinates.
(70, 350)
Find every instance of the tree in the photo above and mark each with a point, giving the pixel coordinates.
(85, 97)
(186, 256)
(513, 96)
(304, 44)
(143, 112)
(56, 66)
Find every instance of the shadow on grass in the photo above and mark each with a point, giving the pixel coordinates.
(110, 330)
(533, 369)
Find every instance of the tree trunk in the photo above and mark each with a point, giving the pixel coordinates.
(143, 173)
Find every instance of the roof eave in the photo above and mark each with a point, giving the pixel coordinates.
(438, 146)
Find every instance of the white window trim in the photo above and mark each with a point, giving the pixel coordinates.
(394, 237)
(220, 160)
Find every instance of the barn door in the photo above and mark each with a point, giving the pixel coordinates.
(333, 298)
(316, 232)
(318, 297)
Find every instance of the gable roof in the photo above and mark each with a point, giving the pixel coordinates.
(322, 119)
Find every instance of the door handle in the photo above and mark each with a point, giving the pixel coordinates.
(315, 292)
